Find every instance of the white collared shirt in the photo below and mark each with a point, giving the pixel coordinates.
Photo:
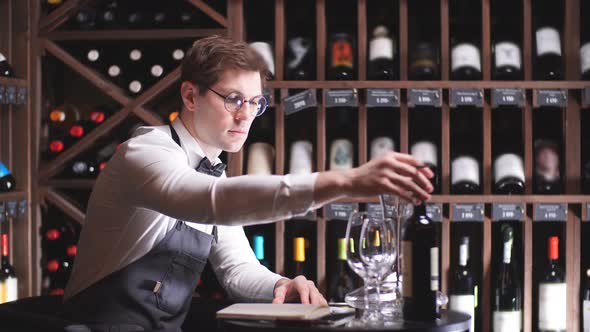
(150, 182)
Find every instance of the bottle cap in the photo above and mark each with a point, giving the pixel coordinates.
(299, 249)
(553, 247)
(258, 246)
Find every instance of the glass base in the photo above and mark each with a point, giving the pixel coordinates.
(389, 300)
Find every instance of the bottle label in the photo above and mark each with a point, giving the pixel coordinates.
(342, 54)
(341, 154)
(299, 48)
(507, 321)
(2, 58)
(463, 254)
(381, 48)
(407, 269)
(465, 169)
(464, 304)
(586, 315)
(584, 57)
(552, 306)
(507, 252)
(425, 152)
(548, 41)
(508, 54)
(434, 283)
(465, 55)
(11, 284)
(508, 165)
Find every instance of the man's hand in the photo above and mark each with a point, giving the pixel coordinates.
(297, 290)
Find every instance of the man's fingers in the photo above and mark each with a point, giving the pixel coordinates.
(316, 297)
(409, 185)
(416, 174)
(280, 295)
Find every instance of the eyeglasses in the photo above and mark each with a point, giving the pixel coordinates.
(234, 101)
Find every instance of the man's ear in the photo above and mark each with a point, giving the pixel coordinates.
(188, 92)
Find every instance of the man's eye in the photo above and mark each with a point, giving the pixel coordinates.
(235, 98)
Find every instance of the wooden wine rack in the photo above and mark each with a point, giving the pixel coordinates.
(40, 35)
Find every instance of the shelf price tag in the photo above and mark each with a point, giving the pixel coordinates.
(342, 97)
(382, 97)
(508, 211)
(299, 102)
(11, 210)
(507, 97)
(434, 211)
(375, 210)
(467, 97)
(10, 95)
(268, 95)
(21, 96)
(22, 208)
(468, 212)
(3, 95)
(586, 102)
(550, 98)
(550, 212)
(2, 212)
(425, 97)
(340, 211)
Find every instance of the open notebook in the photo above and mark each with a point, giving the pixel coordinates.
(269, 311)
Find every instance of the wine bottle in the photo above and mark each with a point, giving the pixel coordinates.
(552, 292)
(341, 157)
(382, 50)
(343, 279)
(135, 87)
(258, 241)
(586, 303)
(423, 56)
(5, 68)
(265, 51)
(300, 59)
(50, 5)
(7, 180)
(160, 18)
(465, 39)
(426, 153)
(465, 176)
(85, 19)
(8, 278)
(136, 19)
(547, 175)
(299, 258)
(301, 160)
(507, 306)
(109, 14)
(586, 178)
(84, 169)
(341, 65)
(63, 117)
(381, 145)
(420, 278)
(509, 174)
(424, 62)
(507, 58)
(465, 62)
(462, 297)
(585, 61)
(548, 55)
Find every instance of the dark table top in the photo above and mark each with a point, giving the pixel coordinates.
(450, 321)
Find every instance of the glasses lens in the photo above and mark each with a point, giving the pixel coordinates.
(233, 102)
(261, 105)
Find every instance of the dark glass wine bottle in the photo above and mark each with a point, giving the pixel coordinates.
(508, 167)
(465, 40)
(420, 267)
(85, 19)
(5, 68)
(585, 61)
(547, 174)
(586, 178)
(426, 152)
(300, 59)
(7, 180)
(586, 303)
(258, 242)
(109, 14)
(507, 58)
(343, 280)
(552, 292)
(424, 63)
(8, 278)
(382, 51)
(547, 40)
(341, 57)
(465, 175)
(462, 297)
(507, 305)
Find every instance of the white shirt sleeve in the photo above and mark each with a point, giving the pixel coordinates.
(238, 270)
(158, 178)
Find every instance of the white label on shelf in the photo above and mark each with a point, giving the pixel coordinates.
(552, 306)
(586, 315)
(464, 304)
(381, 47)
(507, 321)
(425, 152)
(465, 55)
(508, 54)
(464, 168)
(508, 165)
(548, 41)
(585, 57)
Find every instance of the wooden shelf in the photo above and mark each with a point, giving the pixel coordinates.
(18, 82)
(13, 196)
(429, 84)
(61, 35)
(488, 199)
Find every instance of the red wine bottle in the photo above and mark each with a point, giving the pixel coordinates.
(552, 292)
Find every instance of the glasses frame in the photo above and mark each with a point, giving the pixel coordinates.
(244, 101)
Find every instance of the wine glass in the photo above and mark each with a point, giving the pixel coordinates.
(370, 254)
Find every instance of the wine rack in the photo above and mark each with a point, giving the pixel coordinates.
(241, 22)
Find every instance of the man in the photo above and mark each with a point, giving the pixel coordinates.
(153, 221)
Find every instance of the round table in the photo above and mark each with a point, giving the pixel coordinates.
(450, 321)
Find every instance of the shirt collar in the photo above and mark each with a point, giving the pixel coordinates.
(189, 144)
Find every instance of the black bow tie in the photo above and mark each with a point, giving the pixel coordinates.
(206, 167)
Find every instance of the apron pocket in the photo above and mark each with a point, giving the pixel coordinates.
(179, 283)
